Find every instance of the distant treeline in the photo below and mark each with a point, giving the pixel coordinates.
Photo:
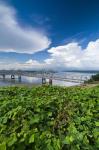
(93, 78)
(83, 71)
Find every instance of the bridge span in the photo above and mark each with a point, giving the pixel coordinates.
(51, 76)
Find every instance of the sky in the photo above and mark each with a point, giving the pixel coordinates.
(49, 34)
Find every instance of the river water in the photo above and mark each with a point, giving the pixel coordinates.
(38, 81)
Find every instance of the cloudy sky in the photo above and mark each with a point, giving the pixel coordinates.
(49, 34)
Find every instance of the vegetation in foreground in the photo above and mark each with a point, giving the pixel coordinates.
(49, 118)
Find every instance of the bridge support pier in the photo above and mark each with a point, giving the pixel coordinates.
(12, 76)
(3, 76)
(19, 78)
(43, 80)
(50, 81)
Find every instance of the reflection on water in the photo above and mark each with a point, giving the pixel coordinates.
(3, 83)
(24, 80)
(64, 83)
(31, 80)
(38, 81)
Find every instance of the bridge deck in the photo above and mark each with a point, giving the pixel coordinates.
(68, 78)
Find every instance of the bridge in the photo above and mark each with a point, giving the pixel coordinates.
(51, 76)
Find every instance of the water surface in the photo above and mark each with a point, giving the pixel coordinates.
(38, 81)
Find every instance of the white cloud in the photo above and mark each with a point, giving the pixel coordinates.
(66, 56)
(15, 38)
(35, 64)
(73, 56)
(28, 65)
(69, 56)
(21, 40)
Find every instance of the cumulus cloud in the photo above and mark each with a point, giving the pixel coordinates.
(22, 40)
(35, 64)
(69, 56)
(28, 65)
(66, 56)
(17, 39)
(73, 56)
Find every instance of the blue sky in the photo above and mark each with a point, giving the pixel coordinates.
(38, 34)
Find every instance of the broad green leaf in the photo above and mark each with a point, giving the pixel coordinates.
(97, 123)
(12, 140)
(68, 140)
(31, 139)
(3, 146)
(35, 119)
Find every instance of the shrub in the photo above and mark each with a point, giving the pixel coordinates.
(49, 118)
(93, 78)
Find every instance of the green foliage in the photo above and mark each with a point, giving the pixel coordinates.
(49, 118)
(93, 78)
